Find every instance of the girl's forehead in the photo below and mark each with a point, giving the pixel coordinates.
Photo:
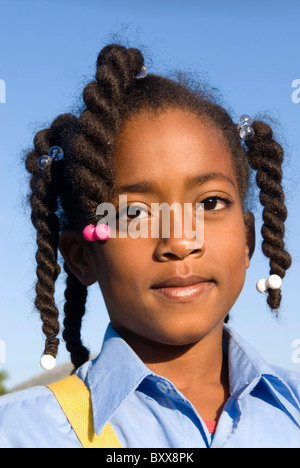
(170, 145)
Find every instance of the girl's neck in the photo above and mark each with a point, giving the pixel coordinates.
(199, 371)
(198, 364)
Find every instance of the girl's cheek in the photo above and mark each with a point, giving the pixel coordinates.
(125, 254)
(225, 245)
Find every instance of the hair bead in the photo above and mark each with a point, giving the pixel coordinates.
(142, 73)
(245, 119)
(100, 232)
(103, 232)
(273, 282)
(245, 127)
(48, 362)
(246, 133)
(89, 233)
(55, 154)
(44, 161)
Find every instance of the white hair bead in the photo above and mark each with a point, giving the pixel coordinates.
(273, 282)
(48, 362)
(261, 286)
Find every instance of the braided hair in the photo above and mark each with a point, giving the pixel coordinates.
(66, 192)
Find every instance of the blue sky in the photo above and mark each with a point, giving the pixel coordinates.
(250, 50)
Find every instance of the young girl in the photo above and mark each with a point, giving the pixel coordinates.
(171, 372)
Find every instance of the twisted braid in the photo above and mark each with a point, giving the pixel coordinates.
(93, 168)
(43, 200)
(266, 157)
(75, 295)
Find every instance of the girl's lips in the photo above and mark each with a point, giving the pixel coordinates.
(184, 293)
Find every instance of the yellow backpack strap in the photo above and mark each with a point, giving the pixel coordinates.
(75, 400)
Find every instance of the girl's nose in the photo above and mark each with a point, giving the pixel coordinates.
(175, 247)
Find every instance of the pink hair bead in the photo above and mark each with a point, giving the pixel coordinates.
(103, 232)
(89, 233)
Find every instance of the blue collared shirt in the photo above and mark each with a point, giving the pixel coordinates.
(147, 411)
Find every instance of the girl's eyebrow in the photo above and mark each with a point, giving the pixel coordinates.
(190, 182)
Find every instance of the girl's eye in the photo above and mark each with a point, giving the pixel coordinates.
(134, 211)
(216, 203)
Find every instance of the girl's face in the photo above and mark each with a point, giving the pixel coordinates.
(156, 288)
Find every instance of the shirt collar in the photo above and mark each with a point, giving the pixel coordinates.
(245, 365)
(118, 371)
(247, 368)
(113, 376)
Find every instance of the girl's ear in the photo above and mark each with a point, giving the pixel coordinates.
(249, 221)
(77, 257)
